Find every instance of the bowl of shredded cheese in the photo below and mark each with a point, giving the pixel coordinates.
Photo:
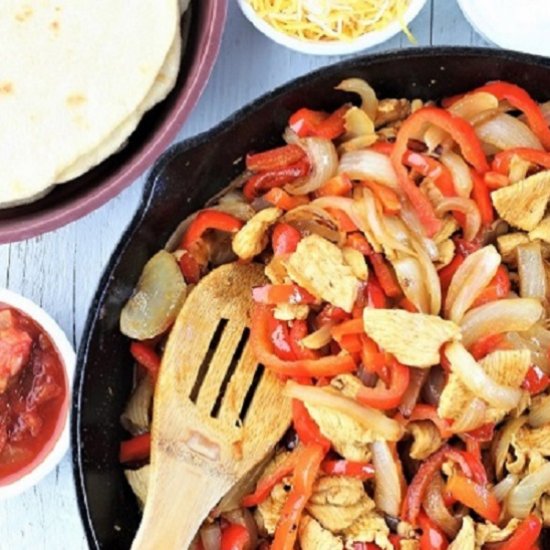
(331, 27)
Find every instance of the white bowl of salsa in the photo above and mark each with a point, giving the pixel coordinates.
(37, 365)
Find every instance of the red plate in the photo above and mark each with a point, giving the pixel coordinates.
(155, 132)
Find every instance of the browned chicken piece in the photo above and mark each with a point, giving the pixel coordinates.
(319, 266)
(523, 204)
(338, 501)
(370, 527)
(487, 533)
(392, 110)
(542, 231)
(252, 238)
(531, 448)
(427, 439)
(466, 538)
(414, 338)
(313, 536)
(505, 367)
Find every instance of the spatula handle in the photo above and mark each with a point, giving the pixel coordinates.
(179, 500)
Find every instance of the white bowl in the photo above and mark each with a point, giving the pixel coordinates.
(67, 354)
(330, 48)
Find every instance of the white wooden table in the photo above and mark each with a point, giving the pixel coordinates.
(60, 270)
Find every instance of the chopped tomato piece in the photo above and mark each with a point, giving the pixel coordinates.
(15, 349)
(135, 449)
(275, 159)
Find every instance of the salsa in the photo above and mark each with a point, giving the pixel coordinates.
(33, 394)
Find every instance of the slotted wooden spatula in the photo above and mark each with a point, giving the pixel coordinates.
(217, 413)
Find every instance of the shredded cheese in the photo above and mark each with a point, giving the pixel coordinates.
(331, 20)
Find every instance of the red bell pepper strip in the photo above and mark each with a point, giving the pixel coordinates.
(338, 186)
(482, 197)
(281, 199)
(501, 161)
(521, 100)
(536, 381)
(209, 219)
(484, 433)
(359, 242)
(473, 464)
(373, 359)
(432, 537)
(429, 167)
(351, 343)
(306, 428)
(460, 130)
(264, 181)
(190, 268)
(360, 470)
(234, 537)
(334, 125)
(525, 536)
(494, 180)
(304, 122)
(298, 331)
(279, 335)
(385, 276)
(498, 288)
(305, 473)
(486, 345)
(375, 294)
(282, 294)
(407, 305)
(275, 159)
(475, 496)
(344, 222)
(331, 314)
(263, 349)
(353, 326)
(447, 273)
(285, 239)
(265, 484)
(147, 357)
(390, 397)
(384, 147)
(135, 449)
(387, 197)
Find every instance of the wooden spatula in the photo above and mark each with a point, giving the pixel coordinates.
(216, 414)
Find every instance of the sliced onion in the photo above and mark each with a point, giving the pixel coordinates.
(511, 314)
(506, 132)
(472, 276)
(388, 492)
(539, 354)
(430, 275)
(472, 417)
(436, 137)
(234, 203)
(136, 417)
(411, 280)
(525, 494)
(539, 413)
(318, 339)
(473, 376)
(358, 124)
(157, 299)
(369, 102)
(310, 219)
(532, 276)
(503, 441)
(519, 169)
(434, 505)
(211, 536)
(460, 172)
(410, 397)
(340, 203)
(468, 207)
(370, 418)
(369, 165)
(503, 488)
(471, 106)
(366, 208)
(324, 164)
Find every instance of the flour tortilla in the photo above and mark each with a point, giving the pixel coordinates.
(71, 73)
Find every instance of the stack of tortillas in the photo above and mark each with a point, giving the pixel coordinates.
(76, 77)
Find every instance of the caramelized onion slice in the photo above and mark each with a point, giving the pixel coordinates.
(369, 102)
(523, 497)
(388, 492)
(506, 132)
(369, 165)
(157, 299)
(532, 276)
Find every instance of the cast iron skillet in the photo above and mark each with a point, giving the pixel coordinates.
(183, 179)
